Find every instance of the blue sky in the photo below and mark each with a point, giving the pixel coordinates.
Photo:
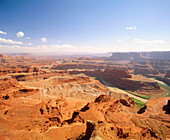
(84, 25)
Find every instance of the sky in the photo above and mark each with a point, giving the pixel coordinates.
(84, 26)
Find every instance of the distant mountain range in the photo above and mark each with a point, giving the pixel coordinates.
(139, 56)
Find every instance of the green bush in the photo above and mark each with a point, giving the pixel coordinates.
(140, 104)
(167, 88)
(138, 95)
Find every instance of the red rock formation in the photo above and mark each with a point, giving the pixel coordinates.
(69, 86)
(117, 73)
(11, 88)
(9, 56)
(145, 71)
(86, 66)
(167, 74)
(36, 76)
(19, 70)
(107, 118)
(124, 80)
(164, 79)
(58, 118)
(2, 56)
(40, 112)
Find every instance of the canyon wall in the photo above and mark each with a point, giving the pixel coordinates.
(140, 56)
(87, 66)
(124, 80)
(145, 71)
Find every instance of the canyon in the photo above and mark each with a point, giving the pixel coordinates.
(65, 98)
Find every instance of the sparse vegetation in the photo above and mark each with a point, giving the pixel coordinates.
(95, 78)
(167, 88)
(138, 95)
(140, 104)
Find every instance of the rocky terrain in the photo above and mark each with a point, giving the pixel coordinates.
(59, 118)
(38, 100)
(84, 66)
(10, 88)
(168, 74)
(158, 69)
(69, 86)
(125, 80)
(140, 56)
(21, 64)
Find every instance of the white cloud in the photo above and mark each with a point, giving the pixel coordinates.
(62, 47)
(4, 33)
(120, 40)
(48, 48)
(131, 28)
(20, 34)
(28, 38)
(59, 41)
(30, 44)
(149, 42)
(80, 49)
(9, 41)
(43, 39)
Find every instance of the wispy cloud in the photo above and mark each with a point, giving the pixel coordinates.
(43, 39)
(56, 48)
(38, 49)
(59, 41)
(9, 41)
(20, 34)
(29, 44)
(4, 33)
(131, 28)
(149, 42)
(120, 40)
(51, 48)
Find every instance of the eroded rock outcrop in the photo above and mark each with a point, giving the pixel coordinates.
(70, 86)
(80, 65)
(11, 88)
(107, 118)
(124, 80)
(167, 74)
(58, 118)
(146, 71)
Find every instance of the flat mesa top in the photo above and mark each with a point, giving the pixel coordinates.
(141, 78)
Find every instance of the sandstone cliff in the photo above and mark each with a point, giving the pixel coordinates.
(124, 80)
(58, 118)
